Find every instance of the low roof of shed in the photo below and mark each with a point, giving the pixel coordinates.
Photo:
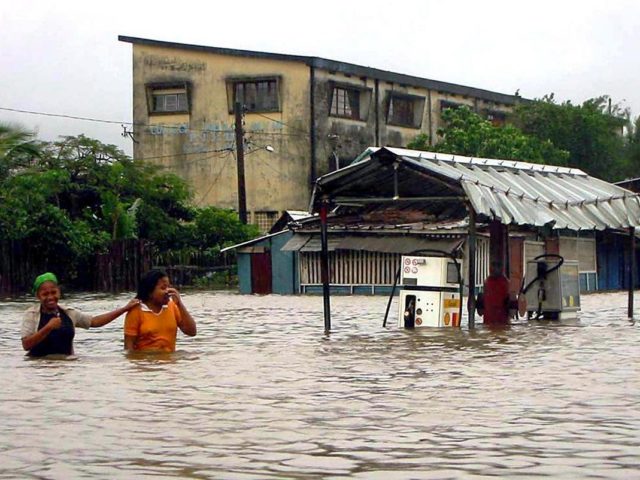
(445, 186)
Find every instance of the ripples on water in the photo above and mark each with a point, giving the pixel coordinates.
(261, 392)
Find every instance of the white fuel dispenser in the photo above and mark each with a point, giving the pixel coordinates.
(431, 292)
(551, 287)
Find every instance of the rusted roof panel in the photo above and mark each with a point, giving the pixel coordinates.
(513, 192)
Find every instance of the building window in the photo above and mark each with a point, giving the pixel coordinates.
(257, 95)
(497, 119)
(168, 98)
(170, 102)
(264, 220)
(444, 104)
(345, 102)
(405, 111)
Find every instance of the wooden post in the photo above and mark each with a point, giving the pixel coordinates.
(242, 192)
(324, 266)
(507, 253)
(471, 302)
(632, 269)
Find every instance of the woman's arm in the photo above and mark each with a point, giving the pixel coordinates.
(34, 339)
(104, 318)
(129, 342)
(188, 324)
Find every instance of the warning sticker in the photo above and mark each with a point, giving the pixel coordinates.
(451, 303)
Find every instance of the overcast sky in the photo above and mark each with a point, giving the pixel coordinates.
(64, 57)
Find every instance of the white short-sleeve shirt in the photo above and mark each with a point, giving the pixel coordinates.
(31, 319)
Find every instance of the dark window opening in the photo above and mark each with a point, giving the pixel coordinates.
(257, 96)
(444, 104)
(497, 119)
(401, 111)
(345, 102)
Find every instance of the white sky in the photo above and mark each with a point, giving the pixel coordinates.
(64, 57)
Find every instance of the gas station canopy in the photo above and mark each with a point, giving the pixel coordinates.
(511, 192)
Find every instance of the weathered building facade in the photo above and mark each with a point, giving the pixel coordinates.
(314, 114)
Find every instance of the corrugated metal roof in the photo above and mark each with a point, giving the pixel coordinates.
(513, 192)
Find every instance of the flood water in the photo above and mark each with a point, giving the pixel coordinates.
(261, 392)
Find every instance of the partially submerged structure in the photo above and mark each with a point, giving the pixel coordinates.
(500, 192)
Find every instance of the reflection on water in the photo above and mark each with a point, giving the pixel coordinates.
(261, 392)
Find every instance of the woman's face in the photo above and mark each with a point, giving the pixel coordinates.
(160, 295)
(49, 295)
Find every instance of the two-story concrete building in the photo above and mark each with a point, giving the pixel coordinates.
(313, 114)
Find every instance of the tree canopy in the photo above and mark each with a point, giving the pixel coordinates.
(466, 133)
(67, 200)
(592, 133)
(588, 136)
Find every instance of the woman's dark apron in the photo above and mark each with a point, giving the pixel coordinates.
(59, 341)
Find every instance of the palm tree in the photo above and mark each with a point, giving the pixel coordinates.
(17, 147)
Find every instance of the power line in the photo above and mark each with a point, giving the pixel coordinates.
(281, 123)
(226, 149)
(215, 179)
(180, 128)
(114, 122)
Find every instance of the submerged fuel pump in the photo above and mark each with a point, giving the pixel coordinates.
(432, 291)
(551, 287)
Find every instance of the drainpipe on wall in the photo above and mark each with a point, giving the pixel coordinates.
(312, 128)
(376, 101)
(430, 118)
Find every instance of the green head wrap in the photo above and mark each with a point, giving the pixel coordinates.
(45, 277)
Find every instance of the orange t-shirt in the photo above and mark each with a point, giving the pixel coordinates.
(153, 331)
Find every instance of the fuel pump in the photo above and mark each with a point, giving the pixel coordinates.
(432, 291)
(551, 287)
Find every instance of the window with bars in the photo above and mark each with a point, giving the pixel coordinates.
(170, 102)
(345, 102)
(172, 97)
(405, 111)
(257, 95)
(265, 220)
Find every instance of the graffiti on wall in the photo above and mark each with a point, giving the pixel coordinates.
(219, 134)
(173, 64)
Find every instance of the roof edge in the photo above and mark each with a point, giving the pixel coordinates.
(339, 66)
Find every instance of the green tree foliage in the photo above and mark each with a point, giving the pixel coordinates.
(466, 133)
(632, 157)
(219, 228)
(420, 142)
(591, 132)
(17, 148)
(67, 200)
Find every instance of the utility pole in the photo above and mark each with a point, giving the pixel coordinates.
(242, 191)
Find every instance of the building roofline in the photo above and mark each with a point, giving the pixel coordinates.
(338, 66)
(254, 240)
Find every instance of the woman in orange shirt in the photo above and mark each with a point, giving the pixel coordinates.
(153, 326)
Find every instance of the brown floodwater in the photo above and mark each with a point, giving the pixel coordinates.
(261, 392)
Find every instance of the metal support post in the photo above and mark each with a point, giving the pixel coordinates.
(324, 266)
(471, 302)
(242, 191)
(632, 269)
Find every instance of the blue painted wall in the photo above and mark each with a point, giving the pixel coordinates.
(284, 269)
(612, 261)
(244, 272)
(283, 266)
